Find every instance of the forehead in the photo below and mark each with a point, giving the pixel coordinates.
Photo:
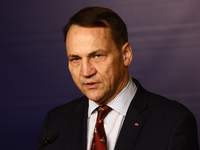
(76, 30)
(82, 38)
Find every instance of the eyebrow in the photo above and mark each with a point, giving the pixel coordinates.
(98, 51)
(72, 56)
(90, 54)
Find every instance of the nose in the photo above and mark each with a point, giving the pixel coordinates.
(87, 69)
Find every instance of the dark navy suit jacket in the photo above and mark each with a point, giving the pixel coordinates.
(152, 123)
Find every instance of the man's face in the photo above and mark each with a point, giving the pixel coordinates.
(97, 67)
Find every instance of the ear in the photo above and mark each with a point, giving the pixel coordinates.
(127, 53)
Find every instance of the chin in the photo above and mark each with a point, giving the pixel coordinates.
(94, 98)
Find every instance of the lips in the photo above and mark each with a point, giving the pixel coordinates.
(91, 85)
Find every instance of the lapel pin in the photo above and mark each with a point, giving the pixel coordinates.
(136, 124)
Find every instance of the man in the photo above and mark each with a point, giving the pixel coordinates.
(99, 55)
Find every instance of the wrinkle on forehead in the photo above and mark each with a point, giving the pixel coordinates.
(79, 38)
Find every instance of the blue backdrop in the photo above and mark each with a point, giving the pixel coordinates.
(164, 34)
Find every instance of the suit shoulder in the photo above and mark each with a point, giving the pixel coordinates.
(158, 102)
(70, 105)
(145, 98)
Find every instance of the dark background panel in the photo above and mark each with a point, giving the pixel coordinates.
(164, 35)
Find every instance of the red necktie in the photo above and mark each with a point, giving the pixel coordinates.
(99, 141)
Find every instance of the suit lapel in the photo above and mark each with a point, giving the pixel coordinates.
(130, 130)
(79, 126)
(134, 120)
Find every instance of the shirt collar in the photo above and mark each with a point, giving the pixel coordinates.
(121, 102)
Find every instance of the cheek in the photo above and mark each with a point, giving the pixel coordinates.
(112, 73)
(107, 74)
(74, 73)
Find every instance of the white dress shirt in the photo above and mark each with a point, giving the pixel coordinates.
(115, 118)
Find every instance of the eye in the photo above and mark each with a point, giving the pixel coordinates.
(98, 55)
(75, 59)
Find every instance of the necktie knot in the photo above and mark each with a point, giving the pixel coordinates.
(103, 111)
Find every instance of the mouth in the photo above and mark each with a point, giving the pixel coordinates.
(91, 85)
